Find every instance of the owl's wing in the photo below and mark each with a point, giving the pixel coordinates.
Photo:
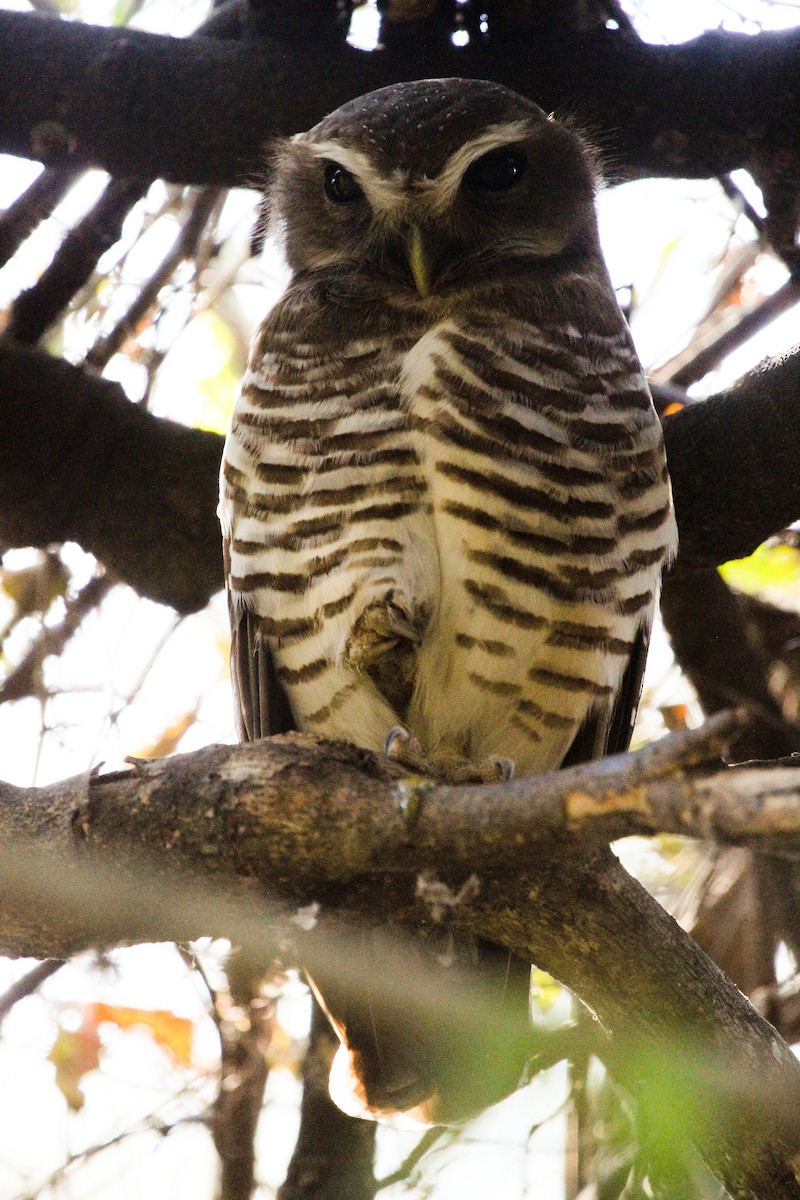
(260, 703)
(608, 730)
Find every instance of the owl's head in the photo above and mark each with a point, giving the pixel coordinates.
(431, 185)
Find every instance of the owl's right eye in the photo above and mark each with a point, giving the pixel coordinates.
(497, 171)
(340, 185)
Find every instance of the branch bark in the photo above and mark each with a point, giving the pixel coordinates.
(303, 820)
(732, 461)
(79, 462)
(34, 205)
(201, 110)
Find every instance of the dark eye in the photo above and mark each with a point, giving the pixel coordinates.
(340, 185)
(497, 171)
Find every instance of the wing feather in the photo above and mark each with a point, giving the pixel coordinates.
(608, 730)
(260, 702)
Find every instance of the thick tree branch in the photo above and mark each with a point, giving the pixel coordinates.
(308, 820)
(201, 110)
(733, 462)
(79, 462)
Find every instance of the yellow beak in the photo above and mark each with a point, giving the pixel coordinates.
(418, 261)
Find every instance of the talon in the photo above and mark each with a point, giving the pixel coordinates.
(403, 748)
(412, 791)
(396, 739)
(488, 770)
(505, 768)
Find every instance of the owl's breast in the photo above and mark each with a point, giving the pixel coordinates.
(327, 523)
(552, 516)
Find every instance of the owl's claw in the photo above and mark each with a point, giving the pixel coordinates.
(505, 768)
(488, 770)
(404, 750)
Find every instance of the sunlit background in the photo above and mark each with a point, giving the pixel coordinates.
(108, 1071)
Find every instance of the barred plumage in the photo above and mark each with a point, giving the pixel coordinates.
(444, 495)
(510, 483)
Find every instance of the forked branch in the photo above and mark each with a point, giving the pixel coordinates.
(325, 826)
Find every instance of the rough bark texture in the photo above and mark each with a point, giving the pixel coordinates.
(79, 462)
(201, 110)
(308, 820)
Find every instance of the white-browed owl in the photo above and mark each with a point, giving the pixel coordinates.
(445, 502)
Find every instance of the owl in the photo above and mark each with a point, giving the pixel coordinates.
(444, 497)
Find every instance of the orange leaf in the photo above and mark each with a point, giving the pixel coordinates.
(172, 1033)
(168, 739)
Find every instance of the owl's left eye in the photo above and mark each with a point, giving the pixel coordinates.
(340, 185)
(497, 171)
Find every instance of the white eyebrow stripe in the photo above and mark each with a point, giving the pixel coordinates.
(391, 194)
(382, 192)
(441, 190)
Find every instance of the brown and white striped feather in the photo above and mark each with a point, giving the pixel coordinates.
(494, 480)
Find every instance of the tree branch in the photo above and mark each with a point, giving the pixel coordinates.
(732, 461)
(79, 462)
(334, 1152)
(718, 649)
(305, 819)
(28, 984)
(35, 309)
(34, 205)
(25, 679)
(197, 215)
(200, 110)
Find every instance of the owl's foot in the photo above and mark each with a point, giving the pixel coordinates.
(487, 770)
(404, 751)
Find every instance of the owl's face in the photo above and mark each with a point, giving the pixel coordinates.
(427, 186)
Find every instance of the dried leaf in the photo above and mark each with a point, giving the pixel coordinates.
(168, 740)
(75, 1053)
(171, 1032)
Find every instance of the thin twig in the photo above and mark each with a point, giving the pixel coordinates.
(36, 309)
(151, 1125)
(25, 679)
(185, 247)
(28, 984)
(720, 347)
(409, 1164)
(34, 205)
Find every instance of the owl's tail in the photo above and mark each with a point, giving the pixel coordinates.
(444, 1059)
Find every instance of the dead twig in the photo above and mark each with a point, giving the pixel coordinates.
(28, 984)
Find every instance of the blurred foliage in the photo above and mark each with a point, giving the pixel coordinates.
(773, 569)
